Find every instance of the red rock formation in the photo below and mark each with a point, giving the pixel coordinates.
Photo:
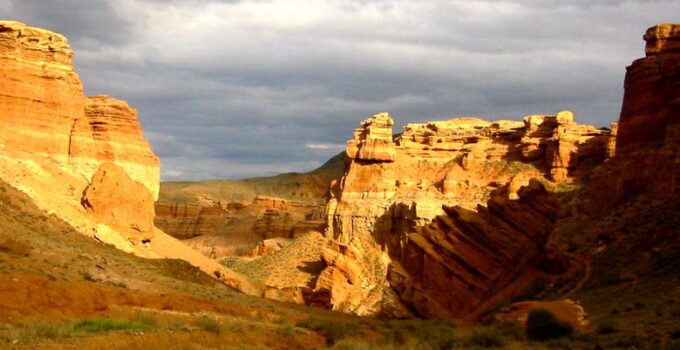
(77, 158)
(650, 112)
(118, 139)
(44, 113)
(219, 229)
(185, 220)
(456, 264)
(449, 163)
(373, 141)
(110, 187)
(565, 310)
(41, 96)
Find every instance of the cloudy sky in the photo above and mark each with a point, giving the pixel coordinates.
(230, 89)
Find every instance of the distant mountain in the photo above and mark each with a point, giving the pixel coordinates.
(308, 187)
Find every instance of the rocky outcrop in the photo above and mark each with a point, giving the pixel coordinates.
(118, 139)
(373, 141)
(83, 160)
(646, 160)
(44, 112)
(462, 260)
(380, 202)
(41, 96)
(565, 310)
(114, 199)
(651, 108)
(269, 247)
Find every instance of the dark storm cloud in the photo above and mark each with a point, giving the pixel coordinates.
(243, 88)
(85, 22)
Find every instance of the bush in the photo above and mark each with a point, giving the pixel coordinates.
(42, 330)
(209, 324)
(331, 330)
(607, 327)
(543, 325)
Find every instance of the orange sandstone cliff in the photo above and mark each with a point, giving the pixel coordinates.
(400, 246)
(82, 159)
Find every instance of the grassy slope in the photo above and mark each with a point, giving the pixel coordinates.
(295, 186)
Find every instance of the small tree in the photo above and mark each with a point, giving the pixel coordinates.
(543, 325)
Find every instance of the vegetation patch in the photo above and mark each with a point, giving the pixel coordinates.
(98, 325)
(209, 324)
(333, 331)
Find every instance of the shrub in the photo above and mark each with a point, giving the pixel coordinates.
(333, 331)
(208, 324)
(42, 330)
(607, 327)
(543, 325)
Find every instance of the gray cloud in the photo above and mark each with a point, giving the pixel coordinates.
(86, 23)
(243, 88)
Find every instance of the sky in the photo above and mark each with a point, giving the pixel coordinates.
(241, 88)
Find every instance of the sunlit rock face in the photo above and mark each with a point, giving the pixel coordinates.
(379, 207)
(41, 96)
(651, 111)
(44, 113)
(82, 159)
(118, 138)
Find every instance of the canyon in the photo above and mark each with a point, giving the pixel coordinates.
(458, 219)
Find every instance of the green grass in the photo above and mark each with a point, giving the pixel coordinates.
(98, 325)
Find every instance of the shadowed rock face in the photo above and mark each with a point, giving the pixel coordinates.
(463, 259)
(377, 206)
(651, 102)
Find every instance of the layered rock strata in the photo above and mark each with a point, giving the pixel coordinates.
(460, 261)
(83, 160)
(118, 139)
(382, 199)
(219, 229)
(647, 156)
(651, 102)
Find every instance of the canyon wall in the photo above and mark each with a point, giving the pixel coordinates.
(647, 160)
(651, 112)
(395, 186)
(45, 114)
(82, 159)
(220, 229)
